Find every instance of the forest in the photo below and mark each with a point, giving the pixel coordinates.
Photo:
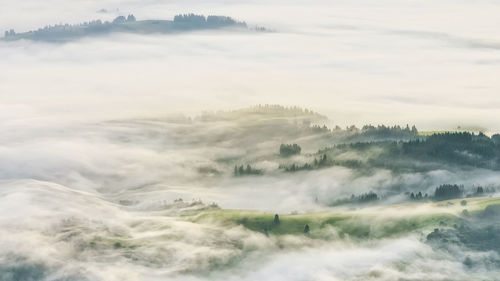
(458, 149)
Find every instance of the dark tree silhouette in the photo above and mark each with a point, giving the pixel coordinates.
(306, 228)
(119, 19)
(241, 171)
(10, 33)
(496, 139)
(448, 191)
(131, 18)
(479, 190)
(368, 197)
(276, 219)
(418, 196)
(289, 149)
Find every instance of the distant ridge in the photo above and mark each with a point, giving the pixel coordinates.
(264, 110)
(129, 24)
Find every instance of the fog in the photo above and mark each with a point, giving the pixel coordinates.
(67, 235)
(358, 62)
(95, 201)
(102, 136)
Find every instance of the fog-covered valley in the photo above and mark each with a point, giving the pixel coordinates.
(164, 199)
(249, 140)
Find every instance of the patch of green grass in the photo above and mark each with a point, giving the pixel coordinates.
(472, 204)
(351, 225)
(356, 225)
(485, 202)
(415, 223)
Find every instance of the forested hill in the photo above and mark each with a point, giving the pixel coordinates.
(438, 151)
(129, 24)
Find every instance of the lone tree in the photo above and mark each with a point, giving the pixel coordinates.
(276, 219)
(306, 228)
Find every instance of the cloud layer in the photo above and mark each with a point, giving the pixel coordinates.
(89, 160)
(394, 62)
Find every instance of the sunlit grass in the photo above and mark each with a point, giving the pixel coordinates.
(321, 224)
(389, 221)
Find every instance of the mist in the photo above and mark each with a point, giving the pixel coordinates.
(159, 156)
(405, 53)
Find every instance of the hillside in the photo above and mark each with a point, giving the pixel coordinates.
(180, 23)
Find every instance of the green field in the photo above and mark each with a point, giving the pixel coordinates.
(370, 222)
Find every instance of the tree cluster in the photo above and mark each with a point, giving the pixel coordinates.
(355, 199)
(452, 191)
(366, 133)
(122, 19)
(9, 33)
(464, 147)
(422, 154)
(242, 171)
(188, 21)
(316, 164)
(418, 196)
(322, 162)
(448, 191)
(131, 18)
(479, 190)
(365, 197)
(289, 149)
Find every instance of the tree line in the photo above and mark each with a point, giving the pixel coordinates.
(452, 191)
(200, 21)
(242, 171)
(65, 31)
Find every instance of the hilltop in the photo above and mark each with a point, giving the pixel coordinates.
(129, 24)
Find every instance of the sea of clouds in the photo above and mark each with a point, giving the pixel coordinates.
(429, 63)
(66, 163)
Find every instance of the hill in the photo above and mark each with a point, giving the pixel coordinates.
(129, 24)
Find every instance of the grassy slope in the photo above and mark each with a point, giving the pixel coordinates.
(370, 222)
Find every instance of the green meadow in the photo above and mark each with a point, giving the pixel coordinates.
(368, 223)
